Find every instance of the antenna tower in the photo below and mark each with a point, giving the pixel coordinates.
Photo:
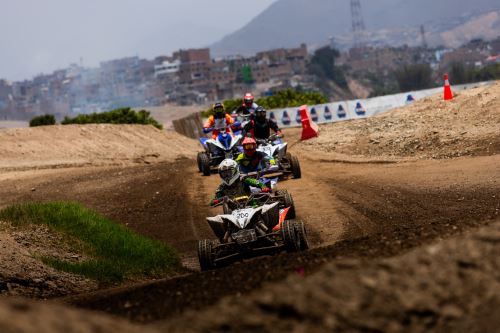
(358, 25)
(422, 33)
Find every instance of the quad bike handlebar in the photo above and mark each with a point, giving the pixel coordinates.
(244, 201)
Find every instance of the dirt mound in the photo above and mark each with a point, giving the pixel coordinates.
(450, 286)
(23, 274)
(469, 125)
(21, 316)
(79, 145)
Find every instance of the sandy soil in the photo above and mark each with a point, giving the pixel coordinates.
(377, 215)
(96, 145)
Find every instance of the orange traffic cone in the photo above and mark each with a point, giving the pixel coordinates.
(309, 128)
(448, 94)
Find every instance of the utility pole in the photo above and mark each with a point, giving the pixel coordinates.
(358, 25)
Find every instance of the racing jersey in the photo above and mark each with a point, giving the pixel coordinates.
(261, 130)
(218, 123)
(237, 189)
(254, 163)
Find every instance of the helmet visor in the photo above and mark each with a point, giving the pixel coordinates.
(249, 146)
(226, 174)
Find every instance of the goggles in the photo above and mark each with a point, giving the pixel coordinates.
(249, 146)
(226, 173)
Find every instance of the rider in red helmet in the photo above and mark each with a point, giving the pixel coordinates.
(252, 160)
(247, 108)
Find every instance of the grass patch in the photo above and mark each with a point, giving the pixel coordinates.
(117, 252)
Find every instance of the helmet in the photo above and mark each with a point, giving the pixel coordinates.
(249, 146)
(260, 113)
(218, 108)
(229, 171)
(248, 100)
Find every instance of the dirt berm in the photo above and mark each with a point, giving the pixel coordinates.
(452, 286)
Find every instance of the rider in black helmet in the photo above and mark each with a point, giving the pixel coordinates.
(260, 127)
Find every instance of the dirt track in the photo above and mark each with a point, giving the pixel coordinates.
(363, 208)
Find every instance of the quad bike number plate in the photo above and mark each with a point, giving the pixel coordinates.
(266, 150)
(245, 236)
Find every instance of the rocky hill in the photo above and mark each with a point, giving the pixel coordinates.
(287, 23)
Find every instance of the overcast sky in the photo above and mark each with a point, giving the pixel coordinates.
(43, 35)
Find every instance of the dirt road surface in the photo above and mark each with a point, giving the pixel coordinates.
(375, 211)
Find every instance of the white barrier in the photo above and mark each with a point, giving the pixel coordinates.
(326, 113)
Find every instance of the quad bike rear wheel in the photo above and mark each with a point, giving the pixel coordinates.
(287, 202)
(301, 233)
(205, 255)
(205, 164)
(289, 235)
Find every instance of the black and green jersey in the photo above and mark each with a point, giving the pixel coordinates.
(239, 188)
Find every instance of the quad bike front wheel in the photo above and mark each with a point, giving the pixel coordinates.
(287, 202)
(198, 161)
(205, 255)
(205, 164)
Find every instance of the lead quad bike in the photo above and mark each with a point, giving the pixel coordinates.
(217, 150)
(253, 227)
(287, 163)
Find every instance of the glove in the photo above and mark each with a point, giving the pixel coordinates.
(265, 190)
(207, 130)
(214, 202)
(279, 135)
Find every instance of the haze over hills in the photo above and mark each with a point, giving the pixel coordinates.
(287, 23)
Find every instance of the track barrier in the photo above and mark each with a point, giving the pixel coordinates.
(309, 128)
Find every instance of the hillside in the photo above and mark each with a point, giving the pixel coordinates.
(287, 23)
(428, 129)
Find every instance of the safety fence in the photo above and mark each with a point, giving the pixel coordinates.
(353, 109)
(191, 126)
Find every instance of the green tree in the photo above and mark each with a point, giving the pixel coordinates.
(322, 66)
(414, 77)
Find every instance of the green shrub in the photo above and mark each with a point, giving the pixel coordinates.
(117, 116)
(43, 120)
(116, 252)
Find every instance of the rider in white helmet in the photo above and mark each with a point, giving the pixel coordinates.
(232, 185)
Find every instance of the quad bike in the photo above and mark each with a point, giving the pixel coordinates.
(253, 227)
(287, 163)
(217, 150)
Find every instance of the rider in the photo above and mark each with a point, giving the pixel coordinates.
(218, 120)
(260, 127)
(252, 160)
(232, 185)
(248, 107)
